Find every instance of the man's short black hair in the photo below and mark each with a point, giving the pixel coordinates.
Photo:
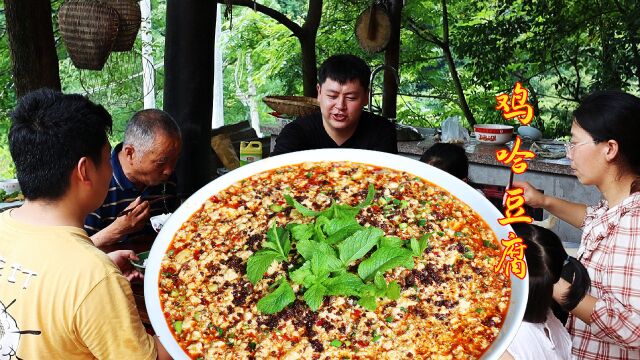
(50, 133)
(344, 68)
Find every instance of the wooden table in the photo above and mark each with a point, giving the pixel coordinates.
(138, 245)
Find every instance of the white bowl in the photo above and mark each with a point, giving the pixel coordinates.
(480, 204)
(530, 132)
(10, 186)
(493, 133)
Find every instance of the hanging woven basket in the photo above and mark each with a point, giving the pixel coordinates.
(373, 29)
(89, 30)
(129, 23)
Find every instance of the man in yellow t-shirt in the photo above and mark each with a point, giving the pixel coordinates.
(61, 297)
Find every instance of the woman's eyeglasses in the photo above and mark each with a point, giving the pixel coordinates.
(570, 146)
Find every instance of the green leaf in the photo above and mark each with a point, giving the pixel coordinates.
(368, 302)
(314, 295)
(358, 245)
(420, 245)
(308, 248)
(279, 237)
(391, 241)
(319, 266)
(258, 264)
(277, 300)
(298, 276)
(301, 208)
(383, 259)
(393, 291)
(343, 233)
(301, 232)
(346, 284)
(333, 226)
(380, 282)
(369, 199)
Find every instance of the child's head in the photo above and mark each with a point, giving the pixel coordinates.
(448, 157)
(546, 258)
(612, 115)
(50, 133)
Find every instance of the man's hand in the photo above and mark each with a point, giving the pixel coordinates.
(121, 259)
(134, 217)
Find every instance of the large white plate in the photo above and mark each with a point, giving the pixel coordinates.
(455, 186)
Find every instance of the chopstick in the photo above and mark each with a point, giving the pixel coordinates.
(153, 201)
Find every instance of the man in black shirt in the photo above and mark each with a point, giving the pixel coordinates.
(343, 90)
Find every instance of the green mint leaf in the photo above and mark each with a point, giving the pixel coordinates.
(319, 266)
(314, 295)
(418, 246)
(343, 233)
(301, 208)
(333, 226)
(308, 248)
(391, 241)
(380, 282)
(358, 245)
(278, 239)
(369, 199)
(301, 232)
(298, 276)
(368, 302)
(383, 259)
(258, 264)
(346, 284)
(319, 233)
(393, 291)
(277, 300)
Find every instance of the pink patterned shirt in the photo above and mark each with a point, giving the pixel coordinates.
(610, 250)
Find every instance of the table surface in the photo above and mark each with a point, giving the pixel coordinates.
(138, 245)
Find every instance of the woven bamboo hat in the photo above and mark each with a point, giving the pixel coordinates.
(373, 29)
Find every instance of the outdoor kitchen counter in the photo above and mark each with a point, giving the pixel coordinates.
(485, 154)
(478, 153)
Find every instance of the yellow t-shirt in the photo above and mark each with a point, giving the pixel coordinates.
(62, 298)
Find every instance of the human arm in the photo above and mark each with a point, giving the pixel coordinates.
(123, 225)
(570, 212)
(162, 352)
(614, 311)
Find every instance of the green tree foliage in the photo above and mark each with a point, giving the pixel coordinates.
(560, 50)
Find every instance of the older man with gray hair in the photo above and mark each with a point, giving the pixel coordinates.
(142, 183)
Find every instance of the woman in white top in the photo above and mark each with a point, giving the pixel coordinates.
(541, 335)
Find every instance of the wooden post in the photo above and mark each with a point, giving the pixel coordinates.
(392, 58)
(188, 86)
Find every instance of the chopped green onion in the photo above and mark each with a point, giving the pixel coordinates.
(422, 222)
(389, 319)
(252, 345)
(336, 343)
(177, 326)
(402, 226)
(376, 338)
(309, 175)
(276, 207)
